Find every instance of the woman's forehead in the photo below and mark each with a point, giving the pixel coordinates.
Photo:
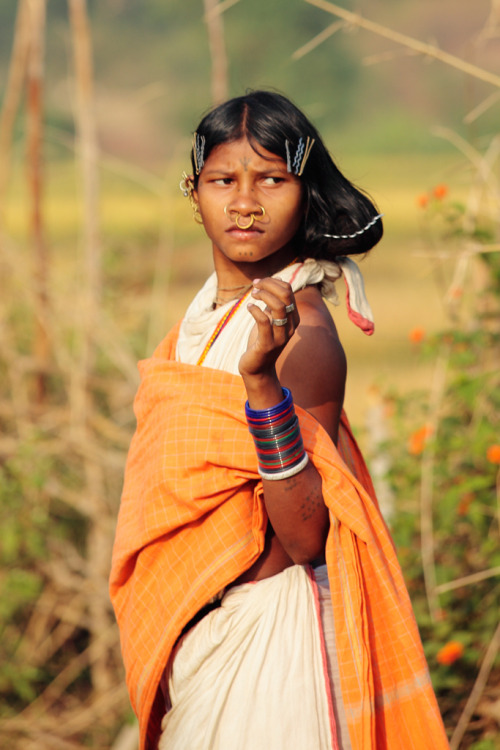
(243, 152)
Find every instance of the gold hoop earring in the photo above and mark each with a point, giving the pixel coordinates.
(196, 211)
(187, 187)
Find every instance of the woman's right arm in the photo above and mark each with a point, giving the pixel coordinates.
(311, 364)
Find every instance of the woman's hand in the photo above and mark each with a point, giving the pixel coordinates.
(267, 340)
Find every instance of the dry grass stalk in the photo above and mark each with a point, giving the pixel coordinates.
(221, 7)
(481, 108)
(98, 539)
(69, 629)
(427, 545)
(477, 690)
(423, 48)
(35, 71)
(468, 580)
(128, 738)
(215, 28)
(318, 39)
(42, 704)
(88, 150)
(12, 95)
(17, 406)
(47, 741)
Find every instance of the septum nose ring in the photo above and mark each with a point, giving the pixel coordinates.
(253, 216)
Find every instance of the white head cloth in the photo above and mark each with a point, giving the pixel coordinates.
(325, 273)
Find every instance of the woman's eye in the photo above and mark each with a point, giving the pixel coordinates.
(272, 180)
(223, 181)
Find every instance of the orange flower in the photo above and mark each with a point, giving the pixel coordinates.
(423, 200)
(450, 652)
(493, 454)
(416, 335)
(418, 440)
(465, 501)
(440, 192)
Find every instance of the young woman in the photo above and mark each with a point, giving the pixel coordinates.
(255, 584)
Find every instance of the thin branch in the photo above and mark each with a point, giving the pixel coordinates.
(427, 543)
(387, 56)
(447, 254)
(128, 738)
(219, 8)
(67, 675)
(485, 176)
(458, 583)
(215, 30)
(471, 153)
(482, 107)
(498, 498)
(41, 348)
(13, 93)
(477, 690)
(90, 179)
(423, 48)
(316, 41)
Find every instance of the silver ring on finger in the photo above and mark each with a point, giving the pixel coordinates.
(290, 308)
(279, 321)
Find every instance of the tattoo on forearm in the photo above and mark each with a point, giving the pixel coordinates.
(310, 506)
(290, 484)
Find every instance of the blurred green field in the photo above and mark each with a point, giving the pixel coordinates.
(155, 258)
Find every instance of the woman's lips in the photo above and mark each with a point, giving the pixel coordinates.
(244, 233)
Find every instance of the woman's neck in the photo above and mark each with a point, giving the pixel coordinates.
(233, 277)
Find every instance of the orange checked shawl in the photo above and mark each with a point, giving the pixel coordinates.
(192, 519)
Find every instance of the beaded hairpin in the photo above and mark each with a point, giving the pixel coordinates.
(301, 155)
(198, 152)
(355, 234)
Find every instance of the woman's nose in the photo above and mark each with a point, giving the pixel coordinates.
(244, 201)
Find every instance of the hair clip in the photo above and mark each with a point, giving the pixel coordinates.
(288, 159)
(301, 155)
(297, 161)
(355, 234)
(198, 149)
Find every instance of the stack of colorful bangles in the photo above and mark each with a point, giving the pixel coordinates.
(278, 442)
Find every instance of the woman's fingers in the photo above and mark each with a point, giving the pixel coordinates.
(280, 304)
(275, 325)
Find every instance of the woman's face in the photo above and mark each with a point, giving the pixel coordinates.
(237, 179)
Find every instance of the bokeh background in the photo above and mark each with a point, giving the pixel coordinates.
(99, 257)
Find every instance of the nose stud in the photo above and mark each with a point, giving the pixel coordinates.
(235, 216)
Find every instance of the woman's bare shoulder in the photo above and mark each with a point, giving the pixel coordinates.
(313, 310)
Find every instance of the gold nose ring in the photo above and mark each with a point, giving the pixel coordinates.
(253, 216)
(244, 226)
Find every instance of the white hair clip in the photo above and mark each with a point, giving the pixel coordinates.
(355, 234)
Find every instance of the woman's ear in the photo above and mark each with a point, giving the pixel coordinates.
(191, 193)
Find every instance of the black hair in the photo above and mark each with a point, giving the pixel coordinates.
(332, 204)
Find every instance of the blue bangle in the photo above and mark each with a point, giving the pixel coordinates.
(262, 414)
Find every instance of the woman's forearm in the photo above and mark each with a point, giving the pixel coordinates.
(294, 504)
